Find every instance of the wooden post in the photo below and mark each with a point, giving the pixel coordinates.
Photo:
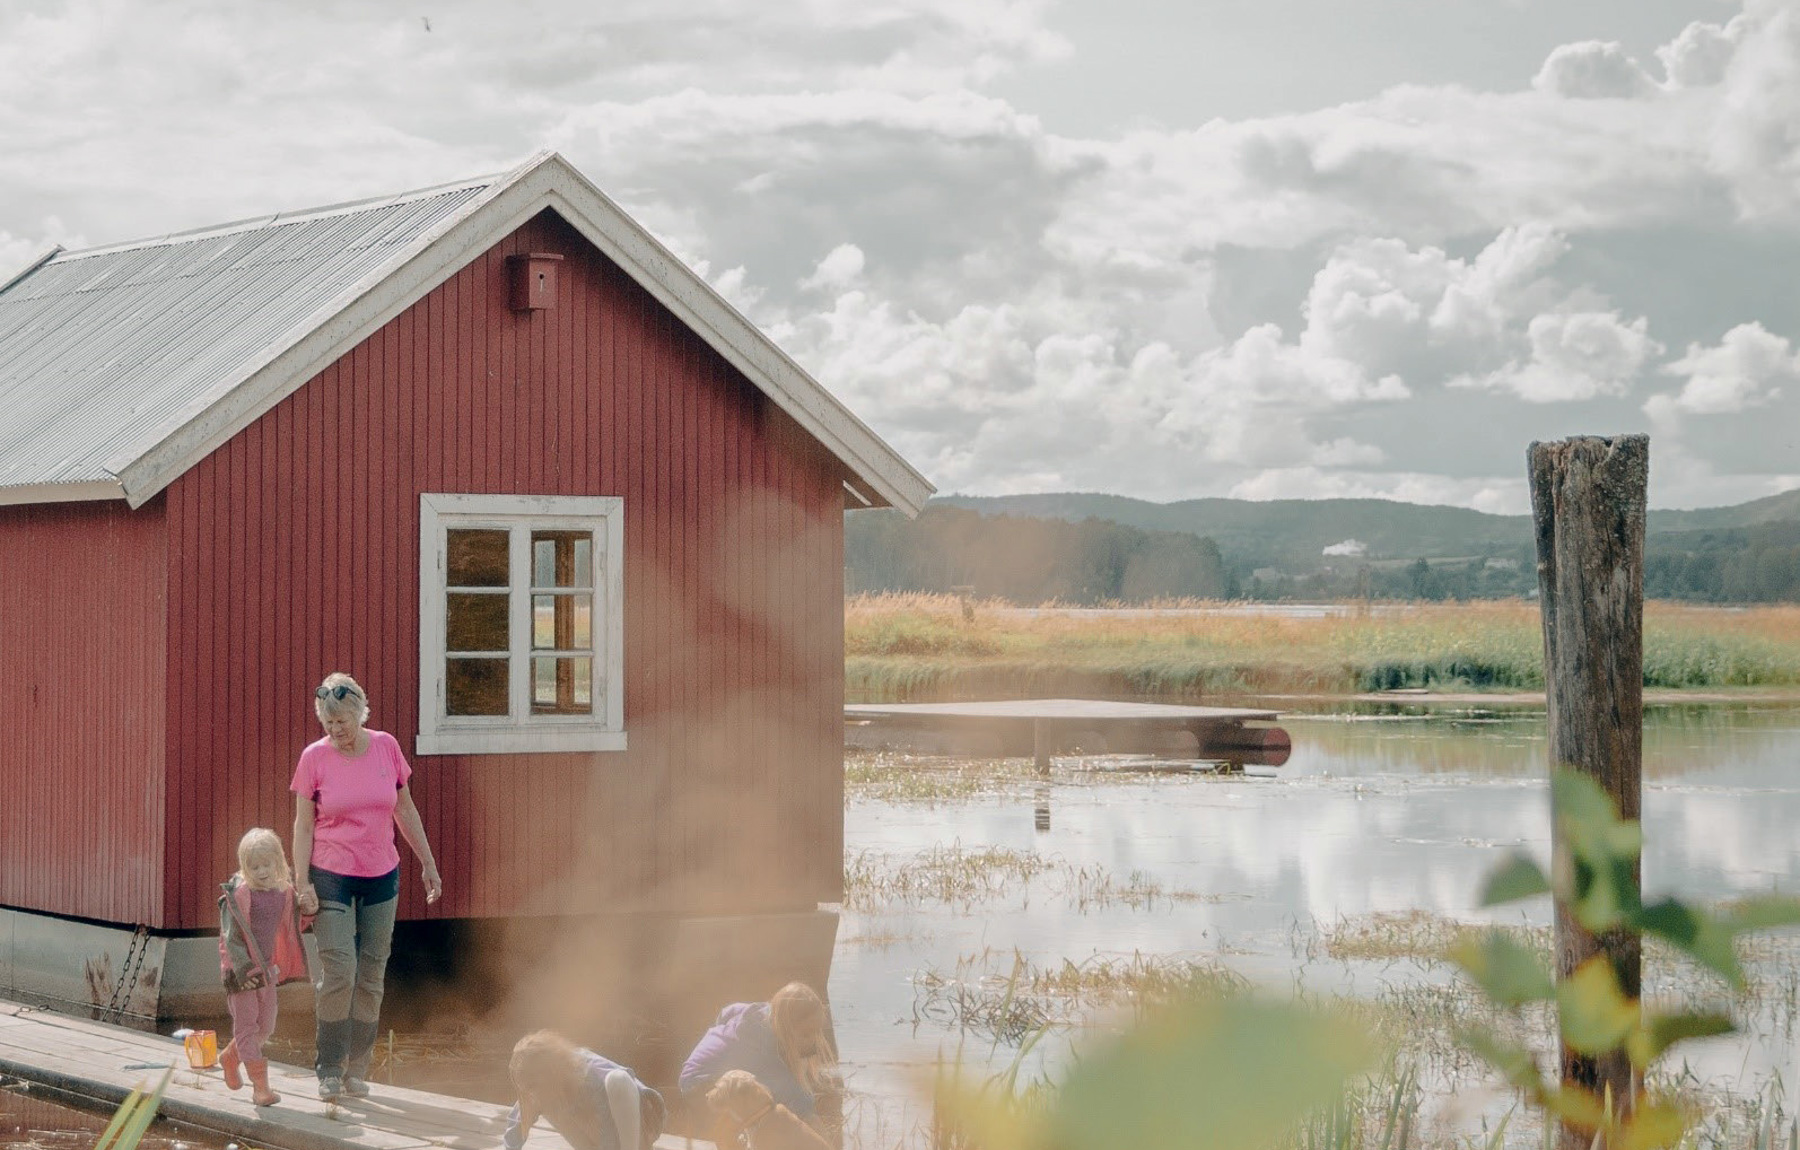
(1040, 745)
(1588, 500)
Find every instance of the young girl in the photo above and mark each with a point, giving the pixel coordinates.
(786, 1044)
(259, 949)
(593, 1102)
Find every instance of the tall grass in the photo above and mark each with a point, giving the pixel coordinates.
(926, 647)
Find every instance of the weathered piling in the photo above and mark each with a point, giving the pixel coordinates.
(1588, 498)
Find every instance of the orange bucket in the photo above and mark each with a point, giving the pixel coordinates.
(202, 1049)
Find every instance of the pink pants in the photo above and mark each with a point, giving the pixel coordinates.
(252, 1020)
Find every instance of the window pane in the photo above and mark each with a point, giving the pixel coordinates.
(562, 622)
(474, 621)
(476, 559)
(562, 686)
(543, 622)
(543, 561)
(561, 559)
(475, 686)
(583, 638)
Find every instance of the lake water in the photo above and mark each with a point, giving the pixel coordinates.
(1385, 810)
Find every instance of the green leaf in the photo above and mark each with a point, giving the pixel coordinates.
(1589, 817)
(1657, 1033)
(1708, 940)
(1654, 1124)
(1506, 970)
(1226, 1074)
(1577, 1106)
(1602, 850)
(1514, 1063)
(134, 1116)
(1596, 1015)
(1760, 912)
(1606, 892)
(1516, 878)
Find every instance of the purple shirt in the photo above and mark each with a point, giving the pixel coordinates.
(742, 1039)
(266, 907)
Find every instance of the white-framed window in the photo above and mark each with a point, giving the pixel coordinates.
(521, 625)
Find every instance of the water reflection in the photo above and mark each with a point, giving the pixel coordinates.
(1747, 744)
(1376, 812)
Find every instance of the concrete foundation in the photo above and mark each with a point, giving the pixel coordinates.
(679, 968)
(115, 974)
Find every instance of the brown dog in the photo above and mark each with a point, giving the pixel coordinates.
(764, 1123)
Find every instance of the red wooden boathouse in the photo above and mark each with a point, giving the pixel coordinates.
(573, 521)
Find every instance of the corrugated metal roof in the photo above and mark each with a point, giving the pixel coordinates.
(105, 352)
(121, 367)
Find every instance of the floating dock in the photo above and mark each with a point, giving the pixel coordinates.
(1046, 727)
(84, 1063)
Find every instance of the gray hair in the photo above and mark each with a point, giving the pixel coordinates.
(339, 694)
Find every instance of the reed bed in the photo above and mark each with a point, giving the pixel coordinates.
(1009, 999)
(928, 647)
(962, 877)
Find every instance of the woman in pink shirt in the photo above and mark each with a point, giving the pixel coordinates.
(349, 793)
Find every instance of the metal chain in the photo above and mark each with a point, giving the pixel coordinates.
(128, 975)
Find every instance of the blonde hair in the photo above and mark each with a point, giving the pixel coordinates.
(545, 1066)
(798, 1017)
(261, 842)
(327, 700)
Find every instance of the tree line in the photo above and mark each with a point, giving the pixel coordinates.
(1089, 561)
(1023, 560)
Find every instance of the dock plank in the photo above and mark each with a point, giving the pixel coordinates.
(84, 1061)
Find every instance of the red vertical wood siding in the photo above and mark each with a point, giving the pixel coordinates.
(295, 553)
(82, 603)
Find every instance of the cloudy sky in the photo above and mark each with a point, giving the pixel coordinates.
(1259, 248)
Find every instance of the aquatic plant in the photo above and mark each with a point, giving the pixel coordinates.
(1598, 888)
(134, 1116)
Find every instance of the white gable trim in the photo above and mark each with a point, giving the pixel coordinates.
(77, 492)
(546, 181)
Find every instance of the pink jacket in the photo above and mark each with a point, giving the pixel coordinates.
(241, 965)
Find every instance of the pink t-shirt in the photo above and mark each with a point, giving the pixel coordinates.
(353, 804)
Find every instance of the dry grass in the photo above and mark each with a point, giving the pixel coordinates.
(965, 877)
(1413, 935)
(886, 776)
(919, 646)
(1008, 998)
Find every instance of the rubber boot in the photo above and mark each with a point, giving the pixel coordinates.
(228, 1066)
(259, 1083)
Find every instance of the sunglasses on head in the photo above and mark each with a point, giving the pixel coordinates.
(340, 692)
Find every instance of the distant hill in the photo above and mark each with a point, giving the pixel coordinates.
(1084, 547)
(1770, 509)
(1286, 533)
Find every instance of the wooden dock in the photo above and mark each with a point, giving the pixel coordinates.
(90, 1064)
(1044, 727)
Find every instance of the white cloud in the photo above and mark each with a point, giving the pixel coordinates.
(1741, 372)
(1011, 308)
(1698, 57)
(1752, 139)
(839, 269)
(1591, 70)
(1575, 356)
(1347, 547)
